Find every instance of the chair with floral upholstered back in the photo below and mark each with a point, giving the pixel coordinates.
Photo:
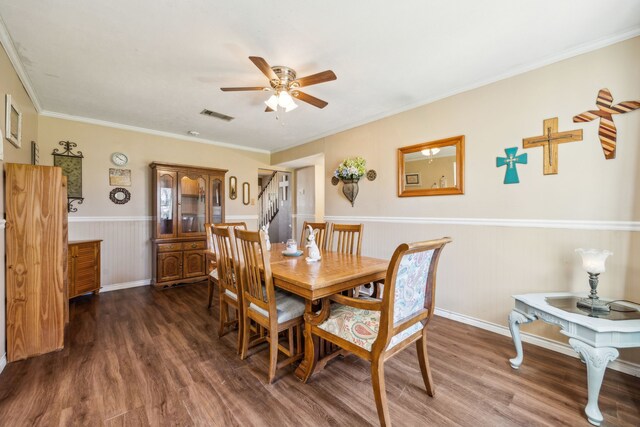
(376, 330)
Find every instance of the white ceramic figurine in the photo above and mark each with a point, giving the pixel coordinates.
(314, 251)
(265, 228)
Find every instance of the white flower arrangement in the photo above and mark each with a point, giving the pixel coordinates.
(354, 168)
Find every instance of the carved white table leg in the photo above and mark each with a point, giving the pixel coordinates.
(515, 319)
(596, 360)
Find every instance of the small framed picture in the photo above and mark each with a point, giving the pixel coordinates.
(411, 179)
(13, 123)
(119, 177)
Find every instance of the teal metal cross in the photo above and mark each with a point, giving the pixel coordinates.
(511, 174)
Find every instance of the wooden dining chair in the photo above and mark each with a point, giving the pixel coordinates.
(228, 284)
(321, 238)
(377, 330)
(210, 255)
(347, 238)
(275, 310)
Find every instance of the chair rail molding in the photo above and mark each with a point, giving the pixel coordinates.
(499, 222)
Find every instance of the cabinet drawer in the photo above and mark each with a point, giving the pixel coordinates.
(169, 247)
(195, 245)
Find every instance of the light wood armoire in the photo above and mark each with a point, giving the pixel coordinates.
(36, 255)
(185, 198)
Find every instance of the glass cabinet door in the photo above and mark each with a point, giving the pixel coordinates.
(192, 204)
(217, 200)
(166, 195)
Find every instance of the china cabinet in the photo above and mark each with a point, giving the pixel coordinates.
(185, 198)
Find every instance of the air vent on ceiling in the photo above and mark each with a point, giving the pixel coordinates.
(217, 115)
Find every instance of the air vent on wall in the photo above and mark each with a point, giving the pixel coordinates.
(217, 115)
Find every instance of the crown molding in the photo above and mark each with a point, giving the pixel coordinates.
(521, 69)
(12, 53)
(63, 116)
(499, 222)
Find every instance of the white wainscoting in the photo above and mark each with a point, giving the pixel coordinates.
(126, 246)
(491, 259)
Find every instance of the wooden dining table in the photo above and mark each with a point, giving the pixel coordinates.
(316, 281)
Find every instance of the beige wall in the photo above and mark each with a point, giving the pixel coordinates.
(10, 84)
(126, 229)
(489, 262)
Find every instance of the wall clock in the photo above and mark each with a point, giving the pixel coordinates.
(119, 159)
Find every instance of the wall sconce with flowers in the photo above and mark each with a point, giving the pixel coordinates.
(349, 172)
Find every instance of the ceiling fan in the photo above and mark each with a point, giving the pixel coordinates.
(284, 82)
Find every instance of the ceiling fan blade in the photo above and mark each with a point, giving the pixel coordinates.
(268, 110)
(310, 99)
(237, 89)
(264, 67)
(314, 79)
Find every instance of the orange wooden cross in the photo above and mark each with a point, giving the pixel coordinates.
(607, 129)
(550, 141)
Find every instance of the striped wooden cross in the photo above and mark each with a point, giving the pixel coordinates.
(607, 129)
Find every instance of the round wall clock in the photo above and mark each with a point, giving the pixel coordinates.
(119, 159)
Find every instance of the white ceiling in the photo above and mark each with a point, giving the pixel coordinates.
(156, 64)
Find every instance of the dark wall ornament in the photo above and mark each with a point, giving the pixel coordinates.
(120, 195)
(71, 164)
(371, 175)
(335, 180)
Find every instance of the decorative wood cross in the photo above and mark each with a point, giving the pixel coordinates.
(550, 141)
(607, 129)
(511, 174)
(284, 185)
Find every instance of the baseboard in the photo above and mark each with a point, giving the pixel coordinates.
(3, 362)
(617, 365)
(125, 285)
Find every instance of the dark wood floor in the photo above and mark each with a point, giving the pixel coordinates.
(147, 357)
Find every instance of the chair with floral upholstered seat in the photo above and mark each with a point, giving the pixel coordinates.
(376, 330)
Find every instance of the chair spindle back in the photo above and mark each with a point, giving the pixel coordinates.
(251, 246)
(349, 238)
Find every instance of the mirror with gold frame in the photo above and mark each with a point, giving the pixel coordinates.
(433, 168)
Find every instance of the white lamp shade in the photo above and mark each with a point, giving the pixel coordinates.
(272, 102)
(284, 100)
(593, 259)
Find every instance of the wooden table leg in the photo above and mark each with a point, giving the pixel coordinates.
(306, 367)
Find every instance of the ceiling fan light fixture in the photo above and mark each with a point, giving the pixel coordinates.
(430, 152)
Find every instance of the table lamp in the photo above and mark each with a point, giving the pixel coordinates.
(593, 263)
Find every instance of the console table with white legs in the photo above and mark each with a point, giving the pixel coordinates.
(595, 339)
